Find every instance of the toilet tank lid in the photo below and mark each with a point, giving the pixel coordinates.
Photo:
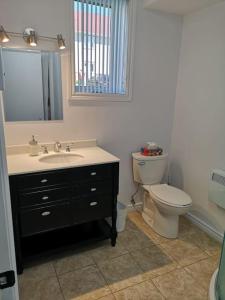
(170, 195)
(139, 156)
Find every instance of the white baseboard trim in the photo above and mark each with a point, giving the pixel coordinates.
(214, 233)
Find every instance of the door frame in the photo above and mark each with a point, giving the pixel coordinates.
(7, 224)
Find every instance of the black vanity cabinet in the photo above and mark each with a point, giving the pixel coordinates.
(61, 209)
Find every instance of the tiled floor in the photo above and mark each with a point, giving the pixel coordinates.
(143, 266)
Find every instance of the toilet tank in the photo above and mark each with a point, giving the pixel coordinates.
(149, 169)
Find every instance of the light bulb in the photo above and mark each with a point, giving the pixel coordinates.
(61, 42)
(4, 38)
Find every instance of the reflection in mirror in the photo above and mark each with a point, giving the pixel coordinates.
(32, 85)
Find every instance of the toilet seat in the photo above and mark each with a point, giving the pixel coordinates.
(169, 195)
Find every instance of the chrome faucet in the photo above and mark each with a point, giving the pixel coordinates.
(57, 147)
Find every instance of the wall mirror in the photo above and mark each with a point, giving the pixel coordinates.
(32, 85)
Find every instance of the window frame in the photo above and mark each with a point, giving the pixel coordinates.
(75, 96)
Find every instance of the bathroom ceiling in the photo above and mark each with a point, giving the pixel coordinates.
(179, 7)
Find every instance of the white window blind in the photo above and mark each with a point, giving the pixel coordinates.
(101, 46)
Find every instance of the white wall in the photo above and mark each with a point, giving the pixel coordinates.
(198, 142)
(119, 127)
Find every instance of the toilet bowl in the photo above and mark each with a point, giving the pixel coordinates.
(162, 204)
(168, 203)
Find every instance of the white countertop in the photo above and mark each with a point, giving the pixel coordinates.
(23, 163)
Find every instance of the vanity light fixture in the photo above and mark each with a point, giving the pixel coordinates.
(30, 37)
(4, 38)
(61, 42)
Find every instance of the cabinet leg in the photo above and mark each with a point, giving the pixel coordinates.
(113, 242)
(19, 269)
(114, 231)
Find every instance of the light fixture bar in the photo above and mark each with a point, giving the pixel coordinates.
(5, 38)
(40, 36)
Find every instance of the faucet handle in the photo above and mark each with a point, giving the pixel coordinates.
(45, 149)
(68, 148)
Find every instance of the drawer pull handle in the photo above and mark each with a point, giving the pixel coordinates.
(141, 163)
(93, 189)
(93, 174)
(44, 180)
(45, 198)
(46, 213)
(93, 203)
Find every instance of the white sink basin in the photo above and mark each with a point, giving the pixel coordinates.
(60, 158)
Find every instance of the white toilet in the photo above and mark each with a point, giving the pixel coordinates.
(162, 204)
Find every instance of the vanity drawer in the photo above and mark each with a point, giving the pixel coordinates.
(46, 218)
(96, 172)
(89, 208)
(93, 188)
(42, 180)
(44, 196)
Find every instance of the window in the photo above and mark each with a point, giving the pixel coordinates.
(101, 47)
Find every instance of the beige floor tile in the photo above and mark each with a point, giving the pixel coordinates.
(185, 226)
(184, 253)
(108, 297)
(46, 289)
(181, 268)
(37, 273)
(143, 291)
(203, 241)
(84, 284)
(178, 285)
(106, 252)
(121, 272)
(72, 262)
(203, 270)
(136, 218)
(130, 225)
(134, 240)
(153, 261)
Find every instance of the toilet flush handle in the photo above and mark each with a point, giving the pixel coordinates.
(141, 163)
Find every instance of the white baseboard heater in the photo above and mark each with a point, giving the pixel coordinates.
(217, 187)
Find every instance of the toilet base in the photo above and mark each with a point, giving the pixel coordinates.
(161, 217)
(166, 226)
